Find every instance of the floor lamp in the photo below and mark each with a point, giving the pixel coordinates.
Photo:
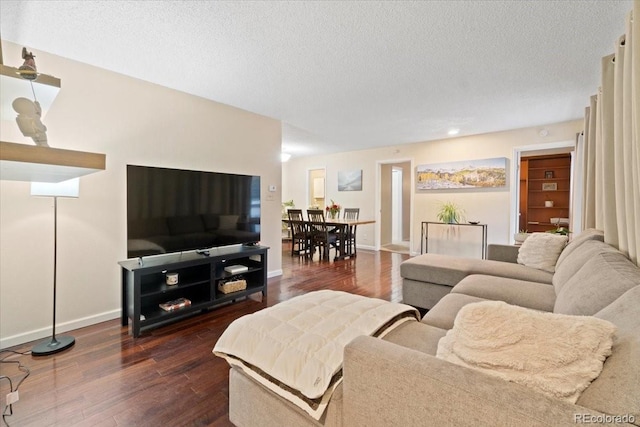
(68, 188)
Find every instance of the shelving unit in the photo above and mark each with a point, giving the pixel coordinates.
(144, 285)
(542, 179)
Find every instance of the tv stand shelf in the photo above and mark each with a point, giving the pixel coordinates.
(144, 283)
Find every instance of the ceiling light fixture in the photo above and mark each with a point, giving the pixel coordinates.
(284, 157)
(453, 131)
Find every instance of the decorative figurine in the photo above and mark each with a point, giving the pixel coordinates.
(29, 114)
(28, 69)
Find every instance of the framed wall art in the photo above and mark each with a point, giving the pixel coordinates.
(350, 180)
(485, 173)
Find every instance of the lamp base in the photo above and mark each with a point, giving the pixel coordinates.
(53, 345)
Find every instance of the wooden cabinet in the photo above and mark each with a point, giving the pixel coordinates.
(144, 283)
(545, 190)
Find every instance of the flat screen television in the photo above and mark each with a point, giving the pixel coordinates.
(174, 210)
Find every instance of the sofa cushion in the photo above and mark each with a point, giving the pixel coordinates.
(228, 222)
(211, 221)
(576, 260)
(422, 294)
(185, 224)
(624, 312)
(597, 284)
(449, 270)
(538, 296)
(577, 240)
(443, 314)
(617, 388)
(557, 355)
(541, 251)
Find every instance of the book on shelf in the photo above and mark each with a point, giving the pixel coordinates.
(175, 304)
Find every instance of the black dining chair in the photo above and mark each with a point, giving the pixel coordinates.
(300, 238)
(320, 233)
(350, 243)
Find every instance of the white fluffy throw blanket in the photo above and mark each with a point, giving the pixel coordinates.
(558, 355)
(295, 348)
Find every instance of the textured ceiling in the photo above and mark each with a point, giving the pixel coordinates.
(346, 75)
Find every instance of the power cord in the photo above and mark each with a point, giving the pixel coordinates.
(8, 407)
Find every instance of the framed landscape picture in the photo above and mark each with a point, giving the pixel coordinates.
(350, 180)
(484, 173)
(549, 186)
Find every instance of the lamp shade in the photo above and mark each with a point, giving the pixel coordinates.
(70, 188)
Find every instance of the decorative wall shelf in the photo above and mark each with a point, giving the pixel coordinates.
(22, 162)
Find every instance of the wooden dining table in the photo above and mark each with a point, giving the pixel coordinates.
(348, 231)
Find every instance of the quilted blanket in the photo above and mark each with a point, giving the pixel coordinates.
(295, 348)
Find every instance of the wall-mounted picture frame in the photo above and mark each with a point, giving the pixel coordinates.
(350, 180)
(549, 186)
(468, 174)
(548, 174)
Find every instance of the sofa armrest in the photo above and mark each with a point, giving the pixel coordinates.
(385, 384)
(504, 253)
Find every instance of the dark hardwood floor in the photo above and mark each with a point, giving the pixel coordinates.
(169, 376)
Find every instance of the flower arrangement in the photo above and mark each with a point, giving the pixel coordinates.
(333, 209)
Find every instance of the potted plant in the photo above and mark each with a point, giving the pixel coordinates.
(450, 213)
(521, 236)
(560, 230)
(286, 206)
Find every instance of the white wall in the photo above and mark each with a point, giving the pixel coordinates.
(488, 206)
(132, 122)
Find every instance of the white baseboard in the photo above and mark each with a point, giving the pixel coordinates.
(274, 273)
(366, 247)
(60, 328)
(43, 333)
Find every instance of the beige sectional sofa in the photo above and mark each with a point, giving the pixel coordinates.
(398, 380)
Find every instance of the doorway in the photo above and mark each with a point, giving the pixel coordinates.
(316, 188)
(397, 237)
(394, 202)
(530, 210)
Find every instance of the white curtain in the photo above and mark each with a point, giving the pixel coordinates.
(611, 161)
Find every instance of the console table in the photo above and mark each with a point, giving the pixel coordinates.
(482, 234)
(144, 283)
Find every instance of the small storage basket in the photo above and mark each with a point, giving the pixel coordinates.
(226, 287)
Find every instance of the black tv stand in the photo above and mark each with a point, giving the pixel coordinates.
(144, 285)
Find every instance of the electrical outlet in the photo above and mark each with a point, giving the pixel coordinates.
(12, 397)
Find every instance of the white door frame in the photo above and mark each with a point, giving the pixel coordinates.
(515, 177)
(396, 209)
(378, 205)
